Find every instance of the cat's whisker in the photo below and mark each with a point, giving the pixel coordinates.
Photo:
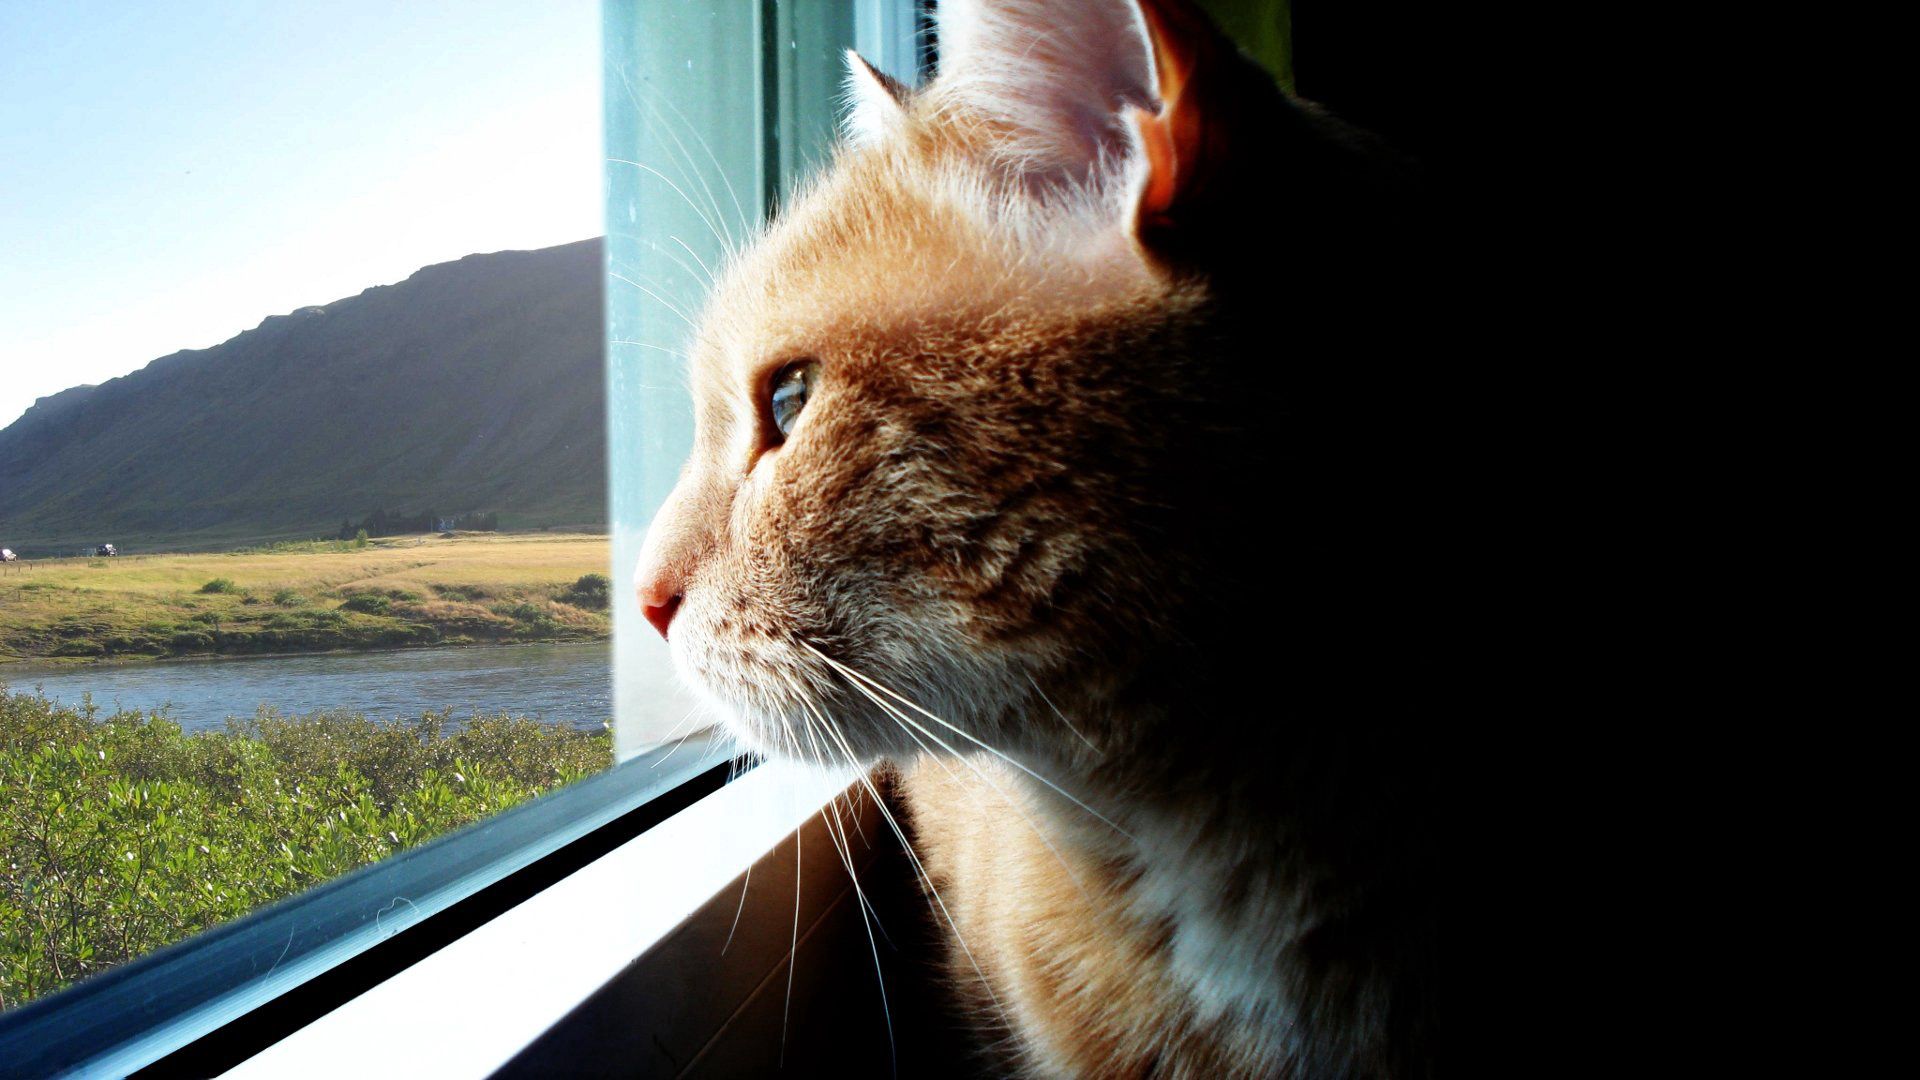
(726, 241)
(711, 279)
(656, 288)
(920, 871)
(908, 725)
(853, 813)
(656, 123)
(846, 857)
(687, 269)
(738, 908)
(739, 211)
(793, 949)
(659, 123)
(681, 741)
(675, 353)
(845, 846)
(1056, 788)
(662, 301)
(1056, 711)
(688, 164)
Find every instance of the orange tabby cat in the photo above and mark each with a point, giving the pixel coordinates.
(1034, 454)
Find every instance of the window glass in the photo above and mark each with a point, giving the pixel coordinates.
(255, 595)
(704, 138)
(330, 577)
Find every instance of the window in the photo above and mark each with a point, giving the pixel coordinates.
(703, 138)
(711, 114)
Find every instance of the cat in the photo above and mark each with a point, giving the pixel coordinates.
(1036, 454)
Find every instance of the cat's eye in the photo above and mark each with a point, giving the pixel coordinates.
(788, 394)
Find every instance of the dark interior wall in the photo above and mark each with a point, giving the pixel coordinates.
(1375, 64)
(1382, 66)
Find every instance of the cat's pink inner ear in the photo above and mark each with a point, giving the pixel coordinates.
(1057, 73)
(1189, 142)
(876, 103)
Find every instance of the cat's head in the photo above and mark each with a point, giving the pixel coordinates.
(958, 409)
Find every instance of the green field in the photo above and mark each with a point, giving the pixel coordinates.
(120, 834)
(307, 596)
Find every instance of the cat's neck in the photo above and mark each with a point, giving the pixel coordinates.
(1255, 851)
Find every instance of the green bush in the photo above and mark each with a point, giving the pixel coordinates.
(122, 834)
(367, 604)
(592, 591)
(77, 648)
(288, 598)
(220, 585)
(520, 612)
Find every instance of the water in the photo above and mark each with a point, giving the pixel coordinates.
(561, 684)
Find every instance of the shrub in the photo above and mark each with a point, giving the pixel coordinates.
(521, 612)
(220, 585)
(592, 591)
(122, 834)
(78, 648)
(288, 598)
(367, 604)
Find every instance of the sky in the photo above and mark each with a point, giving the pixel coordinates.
(172, 172)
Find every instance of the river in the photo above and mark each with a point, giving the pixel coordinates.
(561, 684)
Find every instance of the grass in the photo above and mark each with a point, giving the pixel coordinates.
(307, 596)
(120, 834)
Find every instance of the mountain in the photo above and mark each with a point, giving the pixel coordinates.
(472, 386)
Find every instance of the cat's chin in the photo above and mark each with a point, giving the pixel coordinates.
(786, 704)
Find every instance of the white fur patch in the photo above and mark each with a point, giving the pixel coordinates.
(875, 107)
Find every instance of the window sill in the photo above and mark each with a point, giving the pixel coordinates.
(208, 1003)
(493, 992)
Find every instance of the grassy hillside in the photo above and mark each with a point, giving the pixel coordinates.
(307, 596)
(472, 386)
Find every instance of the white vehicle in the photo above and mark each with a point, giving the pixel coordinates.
(7, 555)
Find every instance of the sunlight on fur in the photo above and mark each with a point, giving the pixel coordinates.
(992, 483)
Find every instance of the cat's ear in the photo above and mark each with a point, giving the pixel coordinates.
(1216, 109)
(876, 103)
(1057, 73)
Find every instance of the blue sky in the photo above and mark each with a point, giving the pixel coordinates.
(173, 172)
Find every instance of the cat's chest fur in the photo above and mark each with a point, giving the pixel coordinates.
(1064, 934)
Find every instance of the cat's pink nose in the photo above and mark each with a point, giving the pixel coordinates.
(659, 611)
(660, 615)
